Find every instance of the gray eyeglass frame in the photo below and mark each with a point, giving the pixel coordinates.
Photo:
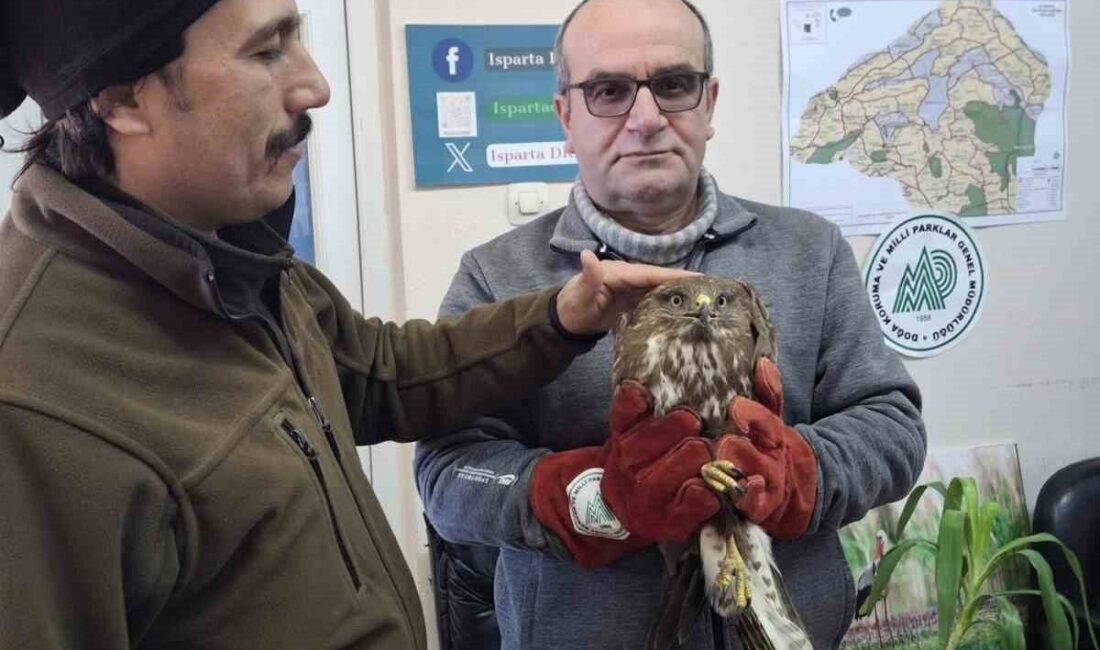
(703, 78)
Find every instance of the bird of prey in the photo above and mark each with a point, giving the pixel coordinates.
(695, 342)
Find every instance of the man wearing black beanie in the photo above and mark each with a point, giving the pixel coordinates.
(180, 399)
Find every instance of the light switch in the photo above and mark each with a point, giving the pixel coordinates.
(529, 203)
(526, 201)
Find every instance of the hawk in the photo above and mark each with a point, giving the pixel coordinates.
(695, 342)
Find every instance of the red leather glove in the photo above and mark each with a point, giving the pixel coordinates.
(642, 486)
(779, 466)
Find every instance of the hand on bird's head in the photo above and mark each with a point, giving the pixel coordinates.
(592, 300)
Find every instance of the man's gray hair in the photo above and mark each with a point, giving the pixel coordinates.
(561, 71)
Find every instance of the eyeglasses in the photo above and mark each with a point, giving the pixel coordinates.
(674, 92)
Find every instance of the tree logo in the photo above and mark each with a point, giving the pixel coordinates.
(927, 285)
(587, 509)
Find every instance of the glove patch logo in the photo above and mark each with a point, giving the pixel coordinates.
(589, 513)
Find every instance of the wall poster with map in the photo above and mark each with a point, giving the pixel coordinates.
(896, 106)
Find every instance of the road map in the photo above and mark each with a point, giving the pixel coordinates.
(897, 106)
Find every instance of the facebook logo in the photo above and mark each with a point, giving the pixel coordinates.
(453, 60)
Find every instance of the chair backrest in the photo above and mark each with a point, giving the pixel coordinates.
(1068, 507)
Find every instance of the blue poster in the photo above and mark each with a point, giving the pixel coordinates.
(482, 105)
(301, 228)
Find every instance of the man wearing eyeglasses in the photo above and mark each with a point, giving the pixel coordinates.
(577, 568)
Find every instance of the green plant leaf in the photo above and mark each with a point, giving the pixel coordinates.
(1072, 616)
(949, 566)
(968, 502)
(910, 507)
(1012, 547)
(969, 488)
(1066, 605)
(1012, 626)
(1075, 566)
(938, 486)
(886, 567)
(1057, 625)
(998, 626)
(953, 499)
(983, 538)
(964, 560)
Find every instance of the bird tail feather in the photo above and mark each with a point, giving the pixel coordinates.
(771, 621)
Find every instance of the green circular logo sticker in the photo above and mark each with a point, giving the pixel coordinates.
(926, 279)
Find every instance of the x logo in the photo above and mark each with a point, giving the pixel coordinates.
(459, 156)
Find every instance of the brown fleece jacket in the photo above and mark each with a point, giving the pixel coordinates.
(165, 479)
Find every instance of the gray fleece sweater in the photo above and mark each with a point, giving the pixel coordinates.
(845, 392)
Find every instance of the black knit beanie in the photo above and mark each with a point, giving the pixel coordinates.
(63, 52)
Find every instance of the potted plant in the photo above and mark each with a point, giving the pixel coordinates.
(965, 558)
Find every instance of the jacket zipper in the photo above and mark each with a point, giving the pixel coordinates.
(694, 258)
(695, 261)
(283, 344)
(281, 341)
(326, 426)
(315, 462)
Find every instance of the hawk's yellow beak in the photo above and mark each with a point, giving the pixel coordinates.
(702, 302)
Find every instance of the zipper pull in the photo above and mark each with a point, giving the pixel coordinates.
(300, 440)
(605, 252)
(326, 426)
(321, 419)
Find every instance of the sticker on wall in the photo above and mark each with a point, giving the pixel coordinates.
(927, 281)
(482, 103)
(457, 114)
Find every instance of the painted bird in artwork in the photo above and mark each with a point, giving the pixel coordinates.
(695, 342)
(866, 581)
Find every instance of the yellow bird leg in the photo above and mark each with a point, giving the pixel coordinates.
(719, 475)
(734, 567)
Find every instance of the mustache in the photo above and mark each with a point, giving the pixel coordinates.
(280, 142)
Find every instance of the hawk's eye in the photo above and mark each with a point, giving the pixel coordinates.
(721, 302)
(676, 300)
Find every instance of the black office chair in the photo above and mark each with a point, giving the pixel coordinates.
(1068, 507)
(462, 583)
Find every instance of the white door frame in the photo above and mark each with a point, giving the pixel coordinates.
(371, 66)
(344, 151)
(331, 152)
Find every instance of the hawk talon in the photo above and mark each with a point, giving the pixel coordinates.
(723, 476)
